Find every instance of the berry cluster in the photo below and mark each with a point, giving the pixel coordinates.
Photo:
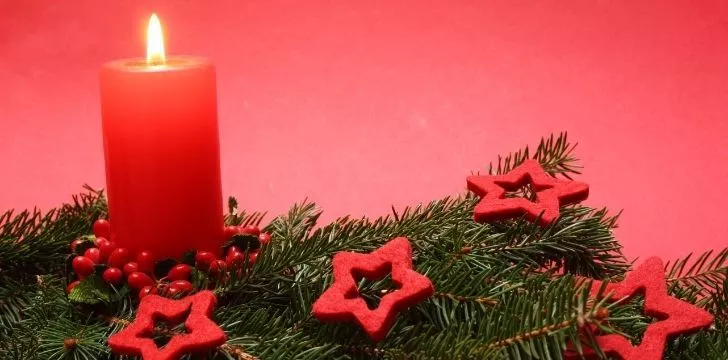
(234, 258)
(118, 265)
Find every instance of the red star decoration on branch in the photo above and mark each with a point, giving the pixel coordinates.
(341, 301)
(202, 333)
(550, 194)
(676, 316)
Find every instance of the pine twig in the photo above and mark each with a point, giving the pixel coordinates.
(237, 351)
(580, 319)
(554, 154)
(700, 281)
(531, 334)
(707, 269)
(117, 321)
(369, 351)
(476, 299)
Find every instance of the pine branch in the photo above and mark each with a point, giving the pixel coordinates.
(465, 299)
(554, 154)
(697, 280)
(15, 297)
(542, 320)
(503, 289)
(295, 226)
(267, 334)
(709, 344)
(580, 242)
(36, 243)
(48, 308)
(66, 339)
(237, 352)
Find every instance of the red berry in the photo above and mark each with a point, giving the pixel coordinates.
(113, 276)
(106, 247)
(130, 267)
(102, 228)
(99, 239)
(72, 285)
(147, 290)
(251, 230)
(83, 266)
(231, 231)
(203, 259)
(181, 285)
(234, 259)
(180, 272)
(119, 257)
(75, 243)
(264, 238)
(138, 280)
(217, 268)
(251, 257)
(93, 254)
(233, 249)
(145, 260)
(173, 291)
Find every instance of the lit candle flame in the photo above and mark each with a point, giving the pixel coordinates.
(155, 42)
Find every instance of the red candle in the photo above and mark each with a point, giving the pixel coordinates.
(162, 152)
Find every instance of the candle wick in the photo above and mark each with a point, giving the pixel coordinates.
(156, 61)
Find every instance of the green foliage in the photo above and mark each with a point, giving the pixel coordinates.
(709, 344)
(37, 243)
(93, 290)
(699, 280)
(14, 297)
(84, 338)
(554, 154)
(505, 290)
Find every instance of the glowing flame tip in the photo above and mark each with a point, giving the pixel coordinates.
(155, 42)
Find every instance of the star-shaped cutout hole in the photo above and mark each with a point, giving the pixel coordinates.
(201, 333)
(166, 329)
(373, 290)
(544, 194)
(342, 301)
(672, 316)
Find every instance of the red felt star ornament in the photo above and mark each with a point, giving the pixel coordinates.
(202, 333)
(550, 194)
(341, 301)
(676, 316)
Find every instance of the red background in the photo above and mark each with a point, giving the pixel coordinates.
(358, 105)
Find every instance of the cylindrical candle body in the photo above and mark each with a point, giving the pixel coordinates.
(162, 152)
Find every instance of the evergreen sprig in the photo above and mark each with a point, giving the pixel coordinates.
(699, 280)
(554, 153)
(35, 242)
(504, 290)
